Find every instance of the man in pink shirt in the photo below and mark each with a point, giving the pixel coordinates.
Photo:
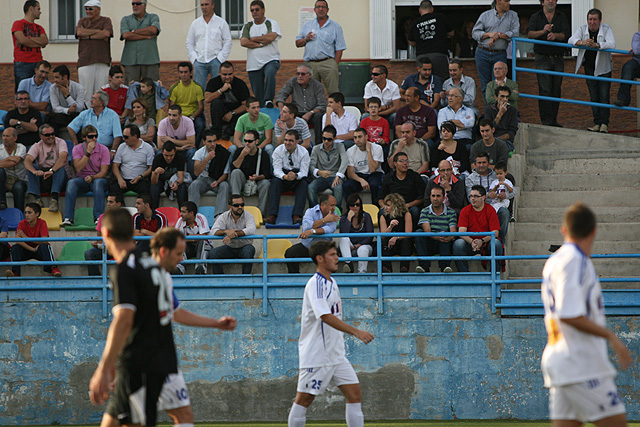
(181, 131)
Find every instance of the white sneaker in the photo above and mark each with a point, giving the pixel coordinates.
(66, 222)
(419, 269)
(594, 128)
(447, 270)
(604, 129)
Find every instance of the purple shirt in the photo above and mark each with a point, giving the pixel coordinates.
(421, 119)
(635, 46)
(99, 157)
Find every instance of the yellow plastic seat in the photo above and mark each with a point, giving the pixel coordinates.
(277, 247)
(53, 219)
(373, 211)
(257, 215)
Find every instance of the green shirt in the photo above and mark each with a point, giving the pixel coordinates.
(263, 123)
(490, 94)
(140, 52)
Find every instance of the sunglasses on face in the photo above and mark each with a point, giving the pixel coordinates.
(136, 3)
(324, 138)
(48, 134)
(249, 141)
(357, 204)
(92, 136)
(127, 136)
(88, 9)
(238, 205)
(375, 74)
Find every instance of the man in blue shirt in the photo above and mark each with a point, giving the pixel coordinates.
(102, 118)
(428, 84)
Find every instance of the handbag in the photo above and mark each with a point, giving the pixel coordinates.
(251, 187)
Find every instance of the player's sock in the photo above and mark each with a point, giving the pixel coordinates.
(354, 415)
(183, 425)
(297, 416)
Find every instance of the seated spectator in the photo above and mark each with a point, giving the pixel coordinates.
(32, 227)
(496, 148)
(13, 174)
(477, 217)
(102, 118)
(436, 218)
(459, 80)
(396, 219)
(211, 166)
(192, 223)
(253, 119)
(377, 129)
(132, 164)
(423, 118)
(364, 170)
(455, 196)
(117, 91)
(234, 223)
(47, 164)
(251, 164)
(500, 70)
(344, 122)
(146, 124)
(5, 248)
(289, 120)
(450, 149)
(179, 130)
(38, 87)
(429, 86)
(463, 117)
(25, 119)
(189, 95)
(227, 95)
(319, 219)
(415, 148)
(95, 253)
(501, 186)
(504, 116)
(156, 96)
(385, 90)
(290, 170)
(91, 163)
(147, 221)
(630, 71)
(67, 98)
(167, 176)
(328, 166)
(405, 182)
(355, 220)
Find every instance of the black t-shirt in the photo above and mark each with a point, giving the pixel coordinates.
(232, 98)
(590, 55)
(250, 164)
(140, 283)
(560, 25)
(429, 32)
(29, 138)
(460, 156)
(170, 169)
(411, 188)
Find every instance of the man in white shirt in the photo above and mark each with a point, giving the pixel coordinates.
(67, 98)
(575, 362)
(13, 175)
(344, 122)
(208, 43)
(364, 170)
(321, 343)
(384, 89)
(192, 223)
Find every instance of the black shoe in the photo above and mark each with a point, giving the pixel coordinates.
(295, 219)
(347, 267)
(271, 219)
(620, 103)
(557, 125)
(386, 269)
(3, 206)
(268, 104)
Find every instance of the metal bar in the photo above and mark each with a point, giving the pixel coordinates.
(379, 271)
(567, 45)
(576, 76)
(265, 285)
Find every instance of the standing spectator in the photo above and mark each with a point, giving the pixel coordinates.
(436, 218)
(208, 43)
(429, 85)
(94, 35)
(28, 40)
(549, 24)
(189, 95)
(290, 171)
(323, 44)
(328, 166)
(25, 119)
(405, 182)
(140, 32)
(251, 164)
(450, 149)
(153, 92)
(493, 31)
(167, 176)
(32, 227)
(496, 148)
(260, 37)
(384, 89)
(132, 163)
(630, 71)
(344, 122)
(180, 131)
(466, 45)
(459, 80)
(39, 87)
(141, 118)
(289, 120)
(234, 223)
(396, 218)
(455, 196)
(95, 253)
(91, 163)
(596, 35)
(253, 119)
(13, 175)
(504, 115)
(356, 220)
(415, 148)
(430, 35)
(423, 118)
(102, 118)
(192, 223)
(461, 116)
(308, 95)
(46, 159)
(501, 80)
(364, 170)
(227, 95)
(211, 166)
(147, 221)
(67, 98)
(117, 91)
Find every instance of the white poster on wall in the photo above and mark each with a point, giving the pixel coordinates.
(305, 14)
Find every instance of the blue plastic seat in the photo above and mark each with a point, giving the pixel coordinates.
(3, 113)
(284, 219)
(13, 216)
(274, 113)
(209, 212)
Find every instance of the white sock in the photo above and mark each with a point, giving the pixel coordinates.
(354, 415)
(297, 416)
(183, 425)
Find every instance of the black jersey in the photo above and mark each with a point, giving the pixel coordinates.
(140, 283)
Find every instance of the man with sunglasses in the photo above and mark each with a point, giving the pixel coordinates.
(384, 89)
(94, 35)
(132, 163)
(140, 55)
(244, 167)
(234, 223)
(91, 162)
(328, 166)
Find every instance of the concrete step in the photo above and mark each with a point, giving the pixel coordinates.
(606, 267)
(581, 163)
(625, 197)
(530, 247)
(546, 138)
(529, 231)
(554, 215)
(554, 181)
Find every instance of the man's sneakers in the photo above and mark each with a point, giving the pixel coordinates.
(66, 222)
(604, 129)
(201, 269)
(268, 104)
(447, 270)
(421, 269)
(55, 272)
(10, 273)
(347, 267)
(594, 128)
(39, 202)
(53, 205)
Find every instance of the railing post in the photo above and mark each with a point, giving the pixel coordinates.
(494, 291)
(379, 262)
(514, 50)
(265, 287)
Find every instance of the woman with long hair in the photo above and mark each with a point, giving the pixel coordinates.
(146, 124)
(396, 219)
(355, 220)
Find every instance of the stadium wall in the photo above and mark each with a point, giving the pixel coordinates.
(445, 358)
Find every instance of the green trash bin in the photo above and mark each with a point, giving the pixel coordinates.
(353, 77)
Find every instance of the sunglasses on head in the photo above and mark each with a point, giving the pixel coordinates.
(238, 205)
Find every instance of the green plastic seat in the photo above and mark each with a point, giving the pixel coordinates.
(74, 251)
(82, 221)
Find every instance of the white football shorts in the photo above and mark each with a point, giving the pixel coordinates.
(174, 393)
(587, 401)
(316, 380)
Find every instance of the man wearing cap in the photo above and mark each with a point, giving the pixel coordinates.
(140, 55)
(94, 50)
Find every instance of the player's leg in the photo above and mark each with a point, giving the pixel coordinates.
(311, 383)
(298, 413)
(174, 399)
(182, 417)
(347, 381)
(565, 423)
(619, 420)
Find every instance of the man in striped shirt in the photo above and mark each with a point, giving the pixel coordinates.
(436, 218)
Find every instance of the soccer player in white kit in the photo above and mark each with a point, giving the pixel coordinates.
(321, 342)
(574, 362)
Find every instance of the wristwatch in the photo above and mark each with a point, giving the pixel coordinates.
(233, 112)
(314, 230)
(18, 124)
(261, 45)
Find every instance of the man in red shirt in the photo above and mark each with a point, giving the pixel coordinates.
(147, 221)
(117, 91)
(28, 40)
(32, 226)
(477, 217)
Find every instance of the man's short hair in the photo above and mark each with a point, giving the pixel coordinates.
(337, 97)
(258, 3)
(34, 207)
(330, 129)
(250, 100)
(133, 129)
(456, 61)
(104, 97)
(119, 224)
(579, 220)
(305, 66)
(383, 69)
(398, 155)
(375, 100)
(44, 62)
(63, 70)
(13, 130)
(414, 91)
(413, 127)
(43, 127)
(361, 130)
(502, 89)
(324, 1)
(323, 198)
(189, 205)
(28, 5)
(423, 60)
(461, 92)
(115, 69)
(146, 198)
(176, 107)
(426, 5)
(167, 237)
(595, 11)
(233, 197)
(23, 92)
(294, 133)
(292, 107)
(480, 189)
(483, 154)
(485, 121)
(226, 64)
(436, 187)
(320, 248)
(168, 146)
(255, 134)
(500, 166)
(148, 81)
(119, 198)
(185, 64)
(211, 131)
(87, 130)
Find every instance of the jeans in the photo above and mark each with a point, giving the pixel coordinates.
(352, 186)
(158, 189)
(263, 81)
(226, 252)
(503, 216)
(203, 185)
(599, 92)
(202, 69)
(363, 251)
(23, 70)
(58, 178)
(630, 71)
(42, 253)
(94, 254)
(237, 179)
(19, 191)
(431, 247)
(549, 86)
(318, 185)
(80, 186)
(199, 123)
(484, 63)
(462, 248)
(278, 186)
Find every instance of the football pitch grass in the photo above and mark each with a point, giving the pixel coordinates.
(411, 423)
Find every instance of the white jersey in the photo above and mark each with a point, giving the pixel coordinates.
(320, 344)
(201, 225)
(570, 289)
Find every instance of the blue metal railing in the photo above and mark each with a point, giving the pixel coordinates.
(515, 68)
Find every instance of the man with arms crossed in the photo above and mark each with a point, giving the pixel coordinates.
(321, 349)
(575, 364)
